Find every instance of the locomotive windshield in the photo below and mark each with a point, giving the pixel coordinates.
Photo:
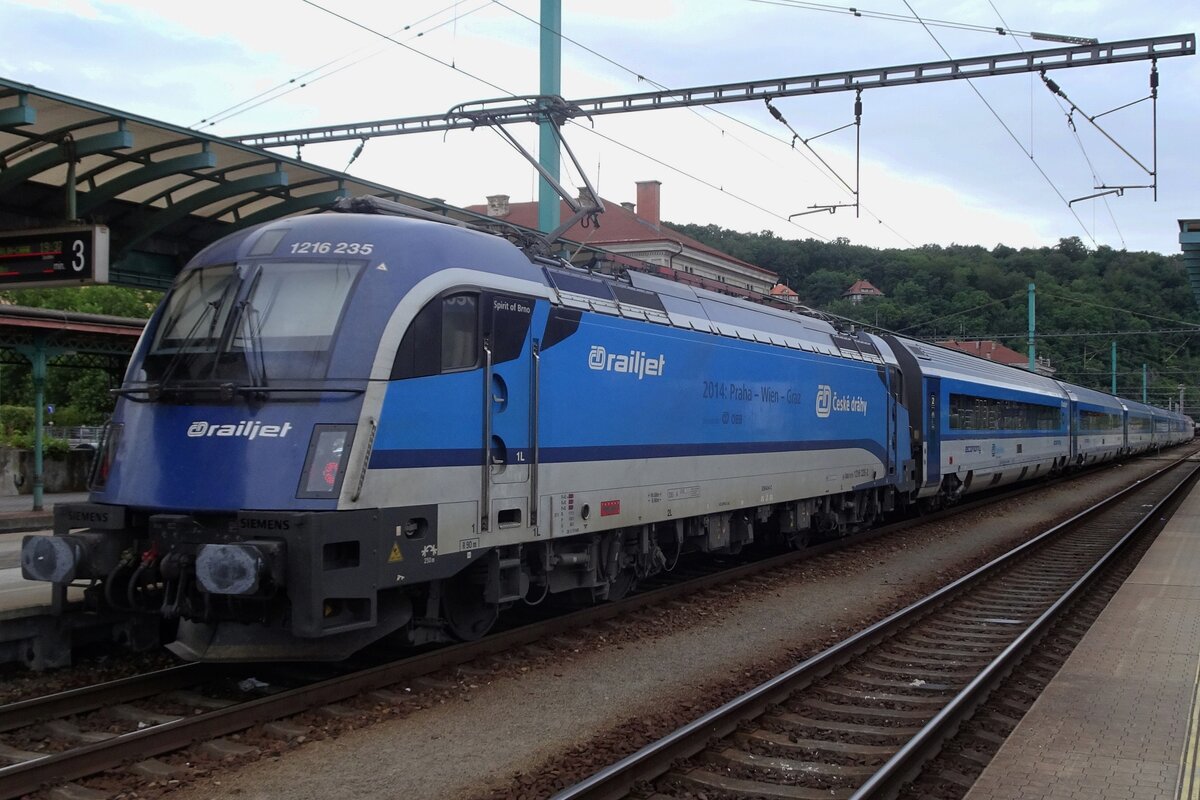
(251, 324)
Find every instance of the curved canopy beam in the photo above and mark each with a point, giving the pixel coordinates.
(15, 175)
(153, 171)
(167, 216)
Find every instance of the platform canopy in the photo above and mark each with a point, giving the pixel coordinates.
(164, 191)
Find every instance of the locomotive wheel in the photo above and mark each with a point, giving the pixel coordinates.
(467, 616)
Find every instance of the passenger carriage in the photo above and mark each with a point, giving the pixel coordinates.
(1097, 422)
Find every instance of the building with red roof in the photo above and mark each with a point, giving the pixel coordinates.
(785, 293)
(637, 231)
(994, 351)
(861, 288)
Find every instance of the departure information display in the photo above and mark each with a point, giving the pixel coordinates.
(54, 256)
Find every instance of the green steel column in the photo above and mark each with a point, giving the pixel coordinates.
(551, 83)
(1032, 331)
(1114, 366)
(38, 360)
(1143, 383)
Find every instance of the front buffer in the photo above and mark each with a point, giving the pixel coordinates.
(252, 586)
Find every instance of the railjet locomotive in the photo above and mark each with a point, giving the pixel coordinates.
(346, 426)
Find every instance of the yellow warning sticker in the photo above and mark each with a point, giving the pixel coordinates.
(395, 556)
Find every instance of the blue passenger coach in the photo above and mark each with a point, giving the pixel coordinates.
(1097, 425)
(1139, 427)
(986, 424)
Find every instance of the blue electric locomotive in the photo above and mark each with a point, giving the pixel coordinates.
(346, 426)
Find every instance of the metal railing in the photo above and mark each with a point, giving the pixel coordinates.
(76, 436)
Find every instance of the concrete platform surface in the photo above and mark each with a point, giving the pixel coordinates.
(17, 514)
(1120, 720)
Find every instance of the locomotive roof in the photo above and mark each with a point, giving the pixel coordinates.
(420, 246)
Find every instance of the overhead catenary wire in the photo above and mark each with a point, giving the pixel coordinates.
(1076, 299)
(1000, 301)
(506, 92)
(1074, 134)
(983, 337)
(447, 64)
(833, 178)
(709, 184)
(1007, 129)
(888, 16)
(303, 80)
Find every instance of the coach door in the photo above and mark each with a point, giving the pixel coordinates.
(510, 414)
(1073, 426)
(933, 431)
(893, 395)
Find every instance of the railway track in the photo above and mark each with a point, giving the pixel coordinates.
(862, 718)
(92, 729)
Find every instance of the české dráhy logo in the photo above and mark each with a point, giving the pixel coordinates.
(824, 400)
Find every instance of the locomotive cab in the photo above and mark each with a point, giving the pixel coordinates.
(225, 491)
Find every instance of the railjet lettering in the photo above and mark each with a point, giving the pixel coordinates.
(636, 362)
(245, 428)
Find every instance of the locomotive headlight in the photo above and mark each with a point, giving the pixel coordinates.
(229, 568)
(50, 558)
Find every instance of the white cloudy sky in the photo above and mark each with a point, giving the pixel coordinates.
(937, 166)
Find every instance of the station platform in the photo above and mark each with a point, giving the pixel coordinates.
(1121, 719)
(17, 514)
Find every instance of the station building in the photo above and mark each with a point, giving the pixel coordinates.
(636, 231)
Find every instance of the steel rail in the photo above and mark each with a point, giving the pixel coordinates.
(651, 761)
(904, 765)
(89, 698)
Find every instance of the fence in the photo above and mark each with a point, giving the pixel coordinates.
(77, 437)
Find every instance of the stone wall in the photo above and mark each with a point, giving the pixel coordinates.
(62, 472)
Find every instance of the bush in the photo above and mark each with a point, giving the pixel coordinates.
(70, 417)
(24, 441)
(16, 419)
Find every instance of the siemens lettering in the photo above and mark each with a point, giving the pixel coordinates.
(635, 363)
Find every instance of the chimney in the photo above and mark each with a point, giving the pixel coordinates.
(627, 205)
(497, 205)
(648, 201)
